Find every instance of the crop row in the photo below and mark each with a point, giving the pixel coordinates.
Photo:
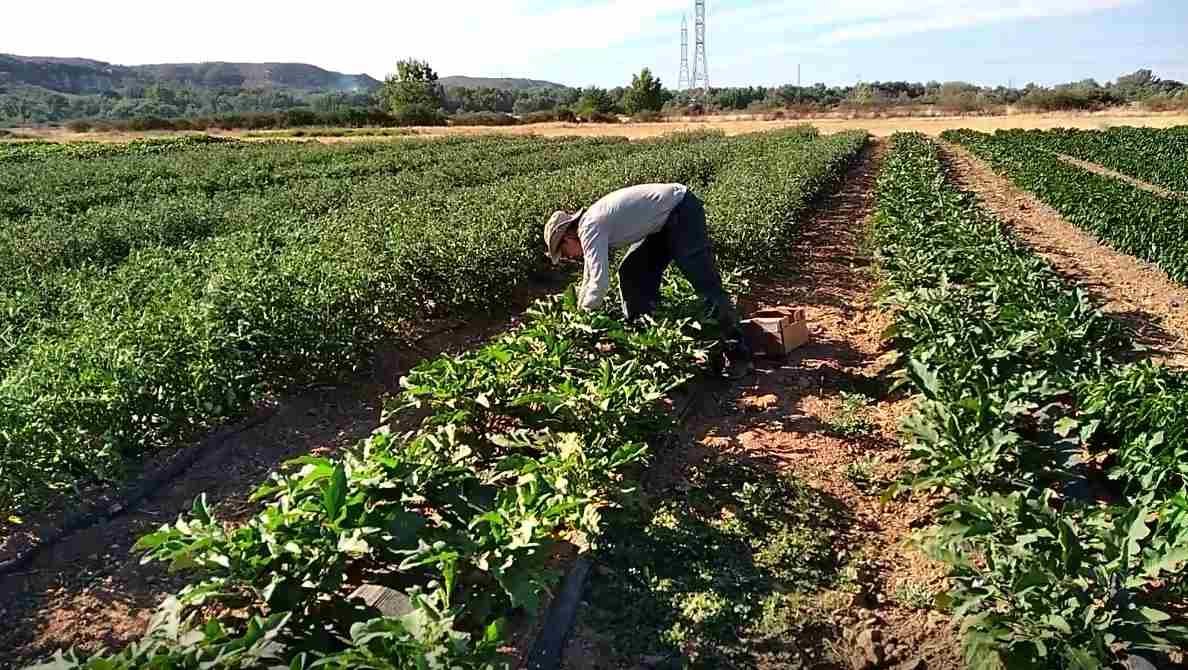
(1065, 521)
(55, 275)
(521, 447)
(1153, 155)
(767, 189)
(1125, 217)
(123, 205)
(65, 186)
(33, 151)
(175, 340)
(525, 441)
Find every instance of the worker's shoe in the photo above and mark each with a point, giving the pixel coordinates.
(739, 369)
(740, 361)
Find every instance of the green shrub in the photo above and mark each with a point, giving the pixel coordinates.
(483, 119)
(418, 115)
(648, 116)
(602, 117)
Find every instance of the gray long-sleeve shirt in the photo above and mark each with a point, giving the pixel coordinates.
(619, 219)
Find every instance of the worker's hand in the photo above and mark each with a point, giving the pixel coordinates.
(605, 347)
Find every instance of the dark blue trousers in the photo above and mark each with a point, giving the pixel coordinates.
(683, 241)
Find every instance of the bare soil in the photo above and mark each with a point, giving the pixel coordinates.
(1105, 171)
(90, 591)
(783, 417)
(1135, 291)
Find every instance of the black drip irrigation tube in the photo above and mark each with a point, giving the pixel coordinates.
(146, 487)
(548, 651)
(549, 648)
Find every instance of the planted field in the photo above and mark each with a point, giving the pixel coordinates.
(125, 333)
(1064, 521)
(1127, 218)
(972, 464)
(521, 446)
(1155, 156)
(154, 334)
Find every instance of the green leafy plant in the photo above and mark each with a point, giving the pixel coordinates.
(1129, 219)
(914, 595)
(1022, 395)
(1151, 154)
(851, 418)
(863, 473)
(523, 445)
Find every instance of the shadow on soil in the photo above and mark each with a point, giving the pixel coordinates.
(731, 566)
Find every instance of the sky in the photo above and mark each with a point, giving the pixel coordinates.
(601, 42)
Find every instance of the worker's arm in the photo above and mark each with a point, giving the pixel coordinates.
(596, 276)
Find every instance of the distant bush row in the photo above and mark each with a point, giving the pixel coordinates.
(356, 118)
(351, 118)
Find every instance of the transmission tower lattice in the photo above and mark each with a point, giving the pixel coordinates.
(684, 80)
(700, 68)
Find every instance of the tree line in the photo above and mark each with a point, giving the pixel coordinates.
(412, 95)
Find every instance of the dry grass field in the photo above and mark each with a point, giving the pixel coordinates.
(881, 127)
(731, 125)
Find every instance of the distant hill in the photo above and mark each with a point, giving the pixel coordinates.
(502, 83)
(259, 75)
(81, 76)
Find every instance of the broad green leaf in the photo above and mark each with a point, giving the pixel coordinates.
(334, 494)
(1137, 532)
(1154, 615)
(1065, 426)
(924, 378)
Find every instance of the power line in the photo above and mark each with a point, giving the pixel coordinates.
(700, 75)
(684, 80)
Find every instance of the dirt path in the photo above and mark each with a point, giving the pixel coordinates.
(792, 417)
(1133, 290)
(795, 415)
(89, 590)
(1133, 181)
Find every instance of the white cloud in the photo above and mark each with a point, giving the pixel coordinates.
(515, 37)
(963, 14)
(852, 20)
(457, 36)
(820, 28)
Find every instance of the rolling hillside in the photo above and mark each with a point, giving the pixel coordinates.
(81, 76)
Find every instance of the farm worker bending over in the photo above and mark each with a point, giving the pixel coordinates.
(662, 224)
